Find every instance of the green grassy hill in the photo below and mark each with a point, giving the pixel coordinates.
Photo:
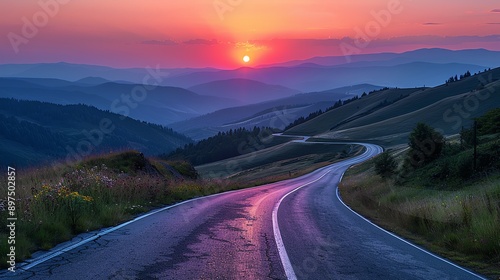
(357, 109)
(277, 162)
(447, 107)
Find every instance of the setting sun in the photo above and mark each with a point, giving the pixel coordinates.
(246, 58)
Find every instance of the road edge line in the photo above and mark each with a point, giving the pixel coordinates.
(27, 264)
(400, 238)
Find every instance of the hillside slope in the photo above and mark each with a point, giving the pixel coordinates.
(351, 111)
(276, 113)
(33, 132)
(447, 107)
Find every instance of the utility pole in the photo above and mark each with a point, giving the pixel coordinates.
(475, 144)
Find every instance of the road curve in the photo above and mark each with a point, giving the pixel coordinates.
(294, 228)
(325, 239)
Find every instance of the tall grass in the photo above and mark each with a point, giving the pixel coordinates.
(462, 223)
(54, 204)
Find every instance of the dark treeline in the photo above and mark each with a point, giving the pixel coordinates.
(467, 74)
(30, 134)
(226, 145)
(457, 78)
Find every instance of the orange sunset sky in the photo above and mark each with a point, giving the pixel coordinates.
(218, 33)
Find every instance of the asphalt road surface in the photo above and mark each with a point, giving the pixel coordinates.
(297, 228)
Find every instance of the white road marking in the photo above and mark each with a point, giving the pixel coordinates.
(285, 260)
(50, 255)
(403, 240)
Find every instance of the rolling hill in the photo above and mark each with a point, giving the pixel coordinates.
(161, 105)
(33, 133)
(277, 113)
(447, 107)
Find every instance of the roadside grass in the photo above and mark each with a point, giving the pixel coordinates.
(461, 223)
(55, 204)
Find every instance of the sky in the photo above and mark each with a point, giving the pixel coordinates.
(219, 33)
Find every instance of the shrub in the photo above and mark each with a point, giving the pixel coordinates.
(385, 165)
(426, 145)
(464, 166)
(489, 123)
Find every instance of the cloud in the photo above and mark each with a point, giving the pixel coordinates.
(162, 43)
(201, 42)
(493, 23)
(173, 43)
(431, 23)
(495, 11)
(249, 46)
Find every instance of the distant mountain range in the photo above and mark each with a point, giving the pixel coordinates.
(320, 78)
(428, 67)
(75, 72)
(244, 90)
(161, 105)
(33, 133)
(482, 57)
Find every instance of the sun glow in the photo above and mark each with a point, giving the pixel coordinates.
(246, 59)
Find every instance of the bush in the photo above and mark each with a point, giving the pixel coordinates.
(489, 123)
(426, 145)
(464, 166)
(385, 165)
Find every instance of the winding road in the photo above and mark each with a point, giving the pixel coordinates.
(295, 229)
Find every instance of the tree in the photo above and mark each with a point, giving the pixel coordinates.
(426, 145)
(385, 165)
(489, 123)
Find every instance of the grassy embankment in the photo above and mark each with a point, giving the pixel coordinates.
(443, 206)
(277, 163)
(55, 204)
